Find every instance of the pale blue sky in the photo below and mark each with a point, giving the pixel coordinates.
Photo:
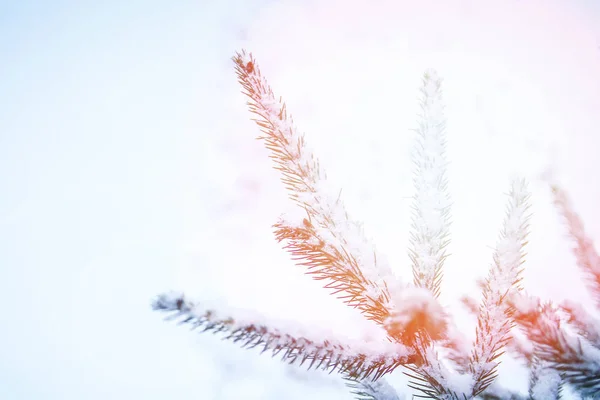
(128, 167)
(98, 104)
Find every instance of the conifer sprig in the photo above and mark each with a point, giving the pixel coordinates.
(494, 314)
(495, 318)
(327, 241)
(574, 358)
(431, 202)
(333, 248)
(339, 269)
(544, 381)
(429, 238)
(587, 257)
(356, 359)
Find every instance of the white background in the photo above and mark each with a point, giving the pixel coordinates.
(128, 167)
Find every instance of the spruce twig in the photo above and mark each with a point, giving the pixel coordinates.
(333, 248)
(587, 257)
(326, 354)
(327, 241)
(495, 320)
(431, 202)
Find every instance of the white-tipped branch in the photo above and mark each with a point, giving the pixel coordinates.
(332, 246)
(577, 361)
(587, 256)
(357, 359)
(427, 247)
(431, 202)
(495, 321)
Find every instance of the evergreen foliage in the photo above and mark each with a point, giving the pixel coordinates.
(332, 248)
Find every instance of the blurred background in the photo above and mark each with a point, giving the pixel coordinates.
(129, 167)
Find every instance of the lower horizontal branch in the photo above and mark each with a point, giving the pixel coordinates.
(357, 359)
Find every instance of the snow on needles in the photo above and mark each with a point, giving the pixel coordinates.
(495, 319)
(587, 256)
(327, 241)
(362, 356)
(431, 204)
(321, 236)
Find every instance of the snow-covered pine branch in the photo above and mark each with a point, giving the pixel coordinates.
(358, 359)
(327, 242)
(495, 320)
(517, 345)
(544, 381)
(576, 360)
(428, 240)
(587, 256)
(494, 314)
(431, 202)
(333, 248)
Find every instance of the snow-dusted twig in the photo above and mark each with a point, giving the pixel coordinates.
(430, 236)
(577, 361)
(517, 345)
(331, 244)
(494, 325)
(427, 249)
(544, 382)
(587, 256)
(495, 316)
(431, 202)
(357, 359)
